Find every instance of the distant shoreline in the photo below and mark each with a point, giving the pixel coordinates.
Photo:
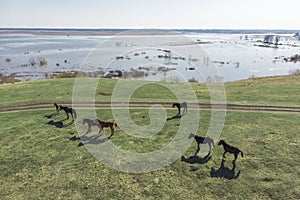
(66, 32)
(109, 32)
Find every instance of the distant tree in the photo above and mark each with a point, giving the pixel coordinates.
(277, 40)
(297, 36)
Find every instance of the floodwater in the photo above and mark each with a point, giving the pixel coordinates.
(203, 56)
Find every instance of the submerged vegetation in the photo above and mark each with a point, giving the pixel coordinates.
(295, 58)
(8, 78)
(295, 72)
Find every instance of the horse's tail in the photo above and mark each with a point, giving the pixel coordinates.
(74, 113)
(242, 153)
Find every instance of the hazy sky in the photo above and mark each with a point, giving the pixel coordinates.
(228, 14)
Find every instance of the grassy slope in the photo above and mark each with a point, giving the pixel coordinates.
(282, 91)
(40, 161)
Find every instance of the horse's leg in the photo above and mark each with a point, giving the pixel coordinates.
(198, 149)
(178, 107)
(112, 132)
(100, 129)
(224, 154)
(67, 114)
(235, 157)
(89, 129)
(184, 109)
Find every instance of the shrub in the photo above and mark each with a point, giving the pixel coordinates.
(42, 61)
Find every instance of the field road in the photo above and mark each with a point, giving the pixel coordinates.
(107, 105)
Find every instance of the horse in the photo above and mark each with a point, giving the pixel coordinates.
(68, 111)
(106, 124)
(90, 124)
(230, 149)
(202, 140)
(179, 106)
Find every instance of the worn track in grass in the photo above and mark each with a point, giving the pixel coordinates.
(98, 105)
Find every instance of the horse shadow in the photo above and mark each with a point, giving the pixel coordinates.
(178, 116)
(51, 115)
(196, 159)
(59, 124)
(89, 140)
(224, 172)
(55, 114)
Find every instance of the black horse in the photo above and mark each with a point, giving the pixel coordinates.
(67, 110)
(179, 106)
(230, 149)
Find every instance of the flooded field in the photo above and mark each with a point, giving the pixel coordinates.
(183, 55)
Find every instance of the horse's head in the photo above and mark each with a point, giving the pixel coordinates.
(84, 121)
(221, 142)
(56, 106)
(191, 135)
(173, 105)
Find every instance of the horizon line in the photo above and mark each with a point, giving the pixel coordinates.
(137, 28)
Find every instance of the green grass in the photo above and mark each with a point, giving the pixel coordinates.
(283, 91)
(40, 161)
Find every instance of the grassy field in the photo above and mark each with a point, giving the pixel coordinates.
(41, 161)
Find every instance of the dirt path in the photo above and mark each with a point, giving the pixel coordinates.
(98, 105)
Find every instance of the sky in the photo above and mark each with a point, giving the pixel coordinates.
(178, 14)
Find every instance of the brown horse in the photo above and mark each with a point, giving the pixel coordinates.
(101, 125)
(107, 124)
(230, 149)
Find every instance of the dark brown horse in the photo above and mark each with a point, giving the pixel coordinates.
(230, 149)
(68, 111)
(107, 124)
(179, 106)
